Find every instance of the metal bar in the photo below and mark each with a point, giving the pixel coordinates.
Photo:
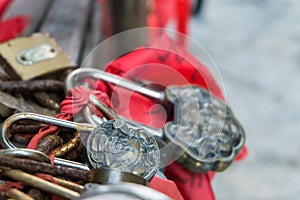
(41, 118)
(18, 195)
(39, 167)
(111, 78)
(68, 184)
(39, 183)
(47, 120)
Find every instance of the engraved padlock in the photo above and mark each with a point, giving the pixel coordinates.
(204, 127)
(115, 144)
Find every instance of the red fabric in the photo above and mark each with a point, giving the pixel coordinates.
(163, 62)
(11, 27)
(242, 155)
(47, 130)
(167, 187)
(159, 15)
(183, 9)
(4, 5)
(193, 186)
(79, 97)
(166, 64)
(71, 105)
(8, 185)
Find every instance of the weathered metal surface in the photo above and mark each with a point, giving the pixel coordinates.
(17, 194)
(68, 184)
(49, 100)
(31, 86)
(25, 128)
(23, 106)
(49, 143)
(39, 183)
(39, 167)
(67, 147)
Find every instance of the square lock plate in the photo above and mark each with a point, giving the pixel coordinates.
(27, 58)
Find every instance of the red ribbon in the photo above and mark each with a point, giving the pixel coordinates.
(13, 26)
(71, 105)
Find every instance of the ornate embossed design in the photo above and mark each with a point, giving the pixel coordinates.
(204, 127)
(120, 145)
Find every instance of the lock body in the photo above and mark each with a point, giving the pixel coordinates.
(30, 57)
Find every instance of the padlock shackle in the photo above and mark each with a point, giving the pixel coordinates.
(6, 143)
(111, 78)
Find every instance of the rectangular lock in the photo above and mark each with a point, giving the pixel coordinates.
(30, 57)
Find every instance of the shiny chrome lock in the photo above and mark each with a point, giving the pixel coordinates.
(113, 144)
(204, 127)
(30, 57)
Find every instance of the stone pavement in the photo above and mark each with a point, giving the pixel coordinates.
(256, 46)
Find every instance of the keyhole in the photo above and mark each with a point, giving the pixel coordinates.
(23, 58)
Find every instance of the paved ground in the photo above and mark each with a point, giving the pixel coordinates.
(256, 45)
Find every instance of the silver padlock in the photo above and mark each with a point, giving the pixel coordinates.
(113, 144)
(204, 127)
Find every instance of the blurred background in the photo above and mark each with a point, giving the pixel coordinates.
(256, 46)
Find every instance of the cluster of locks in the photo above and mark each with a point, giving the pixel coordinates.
(88, 150)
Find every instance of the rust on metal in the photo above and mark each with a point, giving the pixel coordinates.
(47, 100)
(75, 153)
(31, 86)
(49, 143)
(20, 138)
(24, 128)
(70, 145)
(37, 194)
(17, 194)
(39, 167)
(39, 183)
(68, 184)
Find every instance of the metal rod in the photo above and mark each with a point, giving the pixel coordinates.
(31, 86)
(47, 120)
(114, 79)
(68, 184)
(70, 145)
(18, 195)
(39, 183)
(40, 167)
(26, 153)
(110, 114)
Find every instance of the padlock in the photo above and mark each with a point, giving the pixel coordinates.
(113, 144)
(30, 57)
(204, 127)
